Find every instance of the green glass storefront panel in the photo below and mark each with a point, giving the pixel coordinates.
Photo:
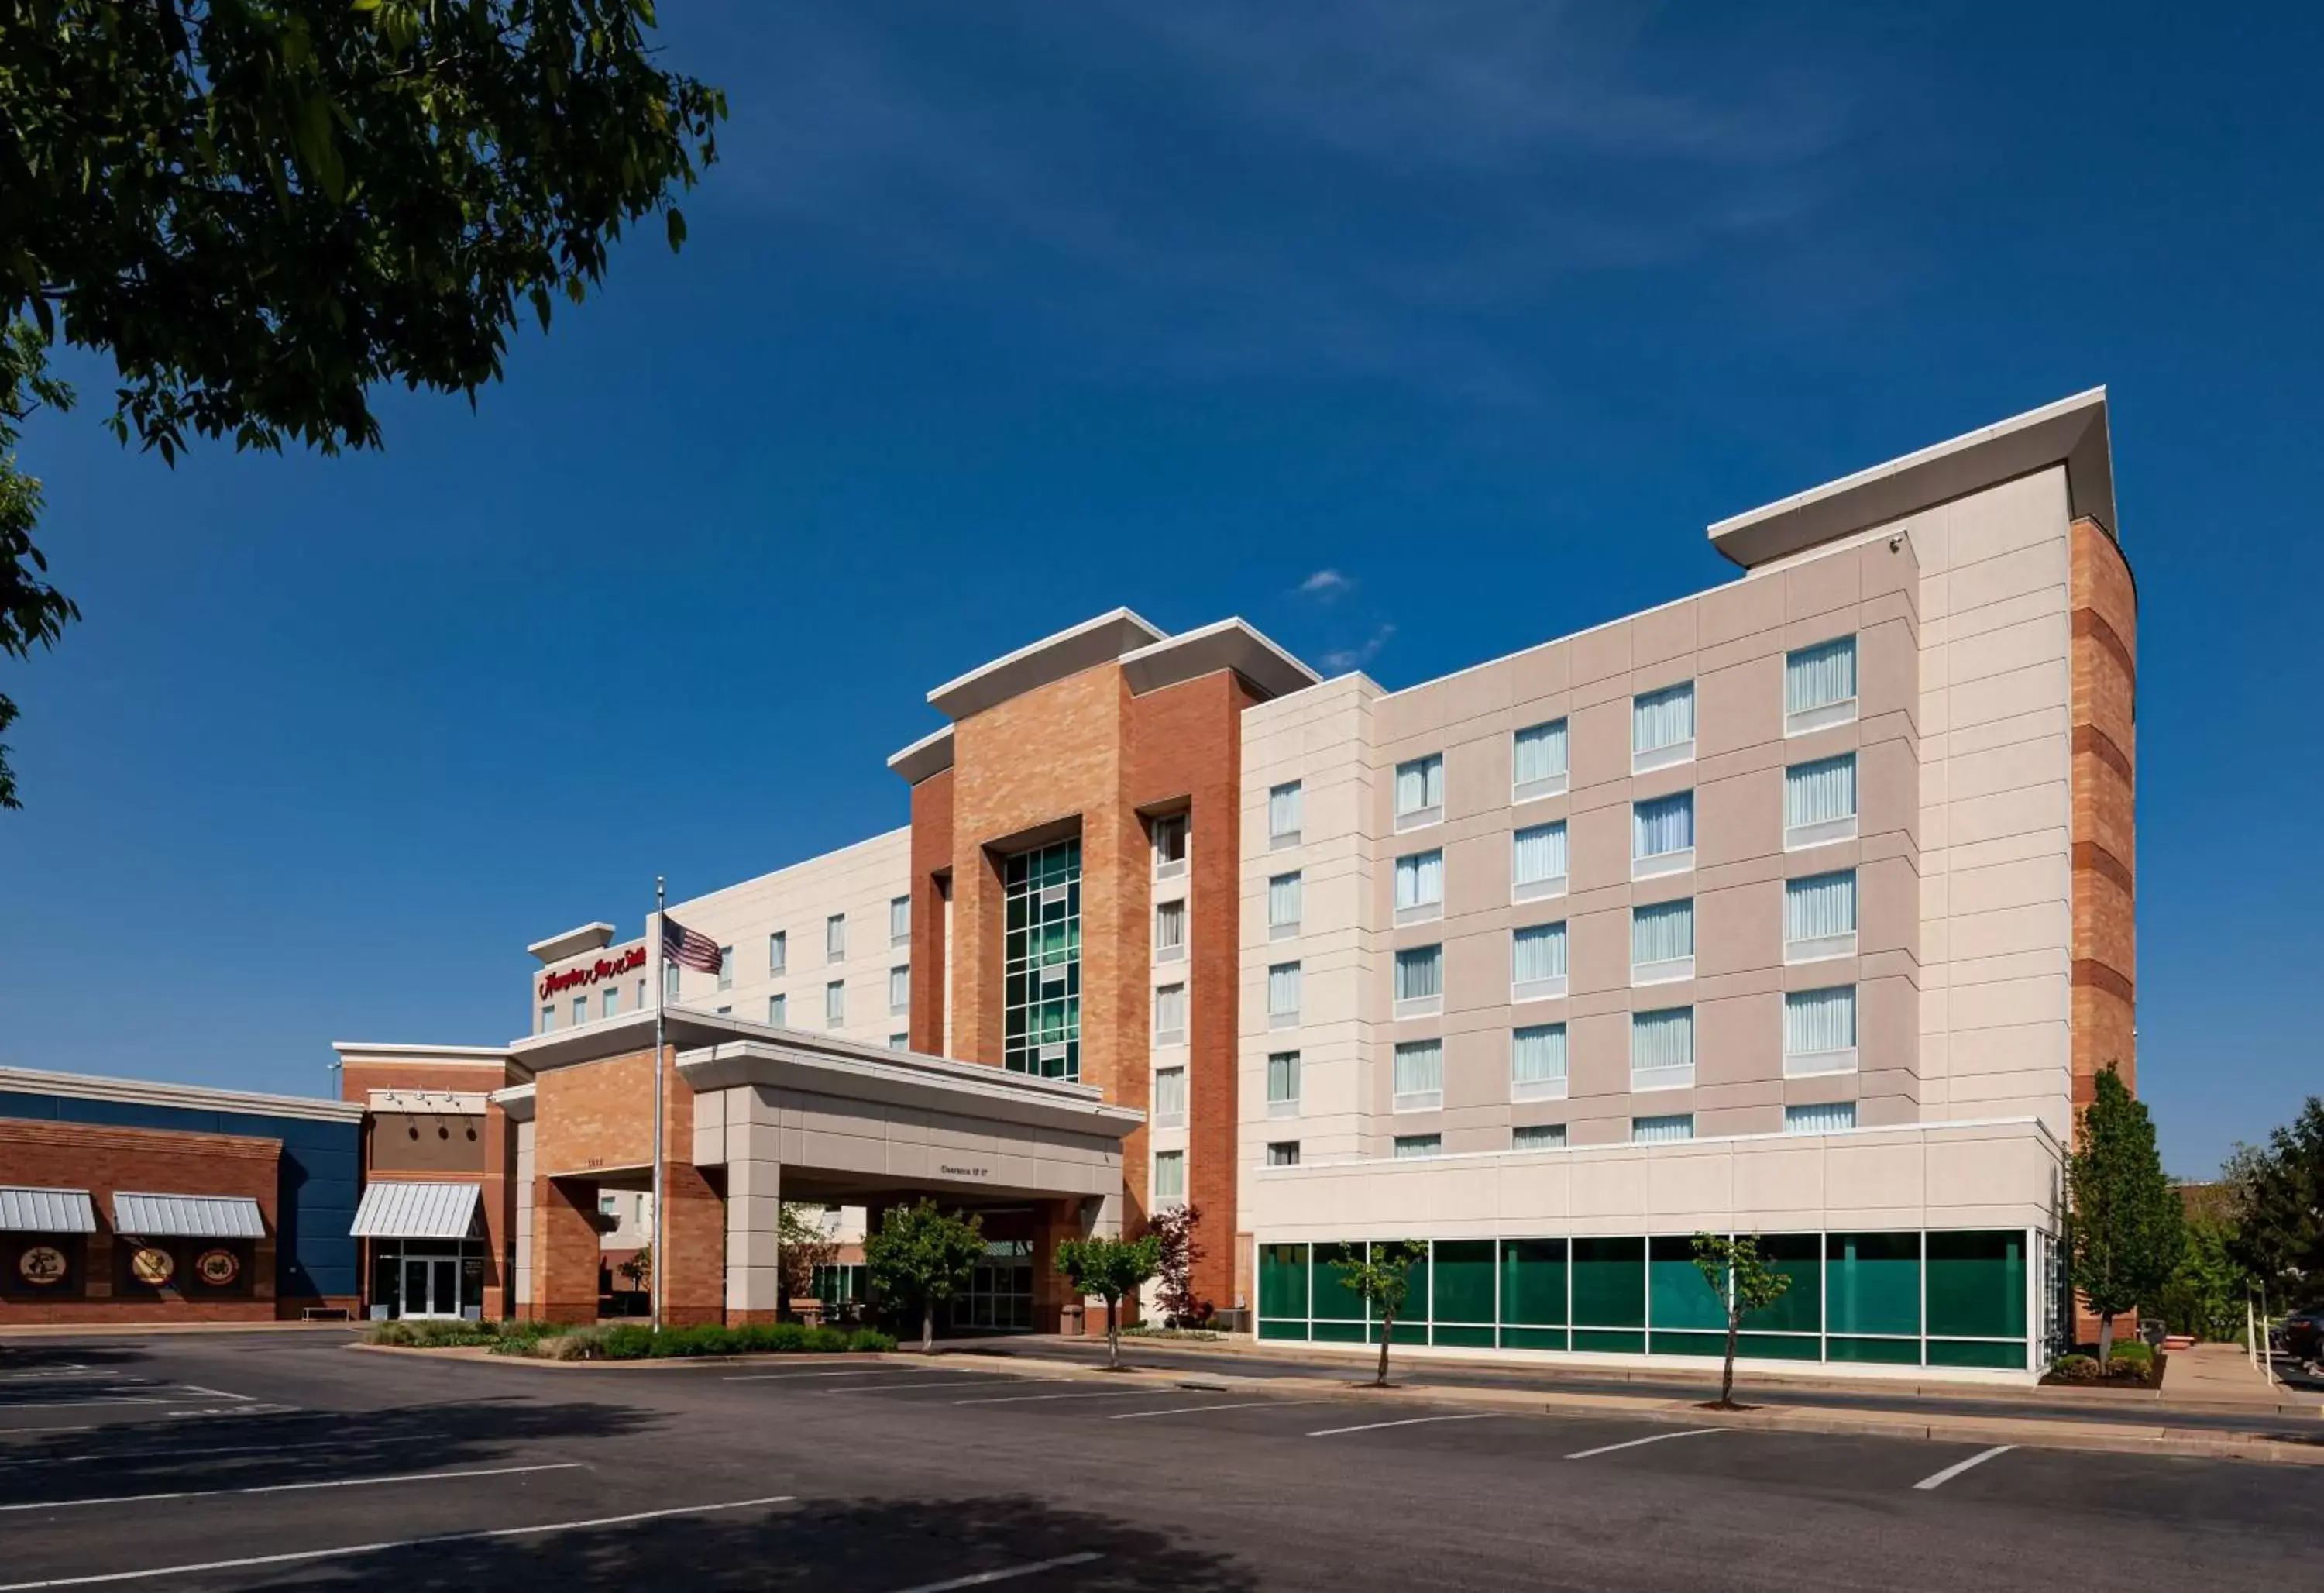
(1957, 1352)
(1680, 1295)
(1329, 1300)
(1533, 1338)
(1605, 1341)
(1464, 1337)
(1533, 1285)
(1875, 1283)
(1461, 1281)
(1799, 1257)
(1283, 1282)
(1339, 1332)
(1267, 1329)
(1416, 1299)
(1405, 1333)
(1662, 1343)
(1770, 1346)
(1610, 1283)
(1886, 1352)
(1976, 1285)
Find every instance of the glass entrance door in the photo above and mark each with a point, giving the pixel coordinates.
(431, 1286)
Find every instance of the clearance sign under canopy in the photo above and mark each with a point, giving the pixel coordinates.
(604, 967)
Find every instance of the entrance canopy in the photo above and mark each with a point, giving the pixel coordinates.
(187, 1216)
(417, 1210)
(27, 1210)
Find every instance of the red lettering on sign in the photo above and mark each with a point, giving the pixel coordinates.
(604, 967)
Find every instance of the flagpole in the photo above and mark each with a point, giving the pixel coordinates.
(661, 1000)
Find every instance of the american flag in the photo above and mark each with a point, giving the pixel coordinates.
(683, 945)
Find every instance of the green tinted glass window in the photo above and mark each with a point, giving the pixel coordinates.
(1283, 1281)
(1682, 1296)
(1533, 1284)
(1799, 1257)
(1041, 972)
(1977, 1285)
(1329, 1300)
(1875, 1283)
(1610, 1283)
(1463, 1282)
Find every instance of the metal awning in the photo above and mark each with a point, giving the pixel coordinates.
(187, 1216)
(417, 1210)
(26, 1210)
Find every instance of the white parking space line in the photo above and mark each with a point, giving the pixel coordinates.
(1002, 1575)
(857, 1372)
(1407, 1421)
(1100, 1393)
(884, 1387)
(217, 1392)
(1198, 1410)
(297, 1487)
(349, 1550)
(1651, 1439)
(169, 1454)
(84, 1404)
(1940, 1478)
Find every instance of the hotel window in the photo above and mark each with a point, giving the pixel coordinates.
(1169, 931)
(1833, 1117)
(778, 1010)
(613, 1000)
(668, 982)
(1170, 846)
(899, 1042)
(1819, 686)
(547, 1016)
(726, 967)
(1420, 792)
(1538, 1136)
(1169, 1097)
(1282, 1153)
(1537, 762)
(835, 938)
(1283, 1084)
(1820, 801)
(580, 1011)
(1537, 1063)
(724, 1012)
(1538, 962)
(1662, 727)
(1820, 916)
(1419, 981)
(899, 921)
(1661, 836)
(1419, 1080)
(1661, 942)
(1420, 887)
(610, 1206)
(779, 952)
(1283, 906)
(1537, 862)
(835, 1003)
(1170, 1015)
(1283, 995)
(1662, 1131)
(1820, 1030)
(900, 991)
(1662, 1049)
(1283, 815)
(1416, 1147)
(641, 997)
(1041, 969)
(1169, 1177)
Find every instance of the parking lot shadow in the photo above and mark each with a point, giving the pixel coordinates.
(866, 1547)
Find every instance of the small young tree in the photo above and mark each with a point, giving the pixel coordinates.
(1110, 1268)
(2128, 1226)
(1745, 1282)
(639, 1268)
(803, 1245)
(1181, 1306)
(922, 1256)
(1381, 1278)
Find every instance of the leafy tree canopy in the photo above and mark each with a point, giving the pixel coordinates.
(921, 1255)
(2279, 1207)
(2128, 1222)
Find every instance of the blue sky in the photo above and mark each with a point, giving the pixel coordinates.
(994, 318)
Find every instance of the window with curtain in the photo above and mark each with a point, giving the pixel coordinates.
(835, 1003)
(580, 1011)
(1537, 1055)
(1662, 1131)
(1818, 1024)
(1169, 926)
(899, 990)
(726, 967)
(1169, 1176)
(1419, 1073)
(1283, 806)
(1420, 882)
(1831, 1117)
(779, 952)
(1283, 1078)
(1820, 793)
(1537, 1136)
(1663, 932)
(1820, 676)
(613, 1000)
(1283, 990)
(1538, 859)
(1820, 907)
(1662, 720)
(1169, 843)
(547, 1016)
(1665, 826)
(835, 938)
(1420, 786)
(1419, 973)
(1282, 1153)
(900, 919)
(1170, 1011)
(899, 1042)
(1537, 757)
(668, 982)
(1537, 952)
(1283, 902)
(778, 1010)
(1412, 1147)
(1663, 1043)
(1170, 1096)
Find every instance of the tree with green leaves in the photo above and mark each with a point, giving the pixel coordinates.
(259, 209)
(2205, 1295)
(2128, 1224)
(1381, 1277)
(922, 1256)
(1109, 1269)
(2278, 1199)
(803, 1243)
(1744, 1282)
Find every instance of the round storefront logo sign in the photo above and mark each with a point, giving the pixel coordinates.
(152, 1266)
(41, 1265)
(218, 1268)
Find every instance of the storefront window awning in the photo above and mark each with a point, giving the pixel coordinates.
(187, 1216)
(24, 1210)
(417, 1210)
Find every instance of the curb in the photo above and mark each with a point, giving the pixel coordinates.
(478, 1353)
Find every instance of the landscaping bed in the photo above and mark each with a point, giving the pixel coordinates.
(2131, 1365)
(627, 1341)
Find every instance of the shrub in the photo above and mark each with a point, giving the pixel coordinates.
(870, 1340)
(2133, 1350)
(629, 1341)
(2077, 1369)
(397, 1333)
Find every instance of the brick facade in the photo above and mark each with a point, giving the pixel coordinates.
(2105, 668)
(492, 1167)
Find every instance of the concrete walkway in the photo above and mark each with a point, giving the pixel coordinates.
(2215, 1375)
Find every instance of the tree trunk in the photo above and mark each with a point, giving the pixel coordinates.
(928, 1326)
(1387, 1330)
(2105, 1339)
(1727, 1377)
(1113, 1338)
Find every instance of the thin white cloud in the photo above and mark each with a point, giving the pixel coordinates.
(1360, 654)
(1326, 584)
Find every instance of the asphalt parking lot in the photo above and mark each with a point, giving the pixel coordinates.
(288, 1461)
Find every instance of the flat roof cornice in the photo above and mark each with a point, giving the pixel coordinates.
(589, 937)
(1052, 658)
(186, 1097)
(823, 1066)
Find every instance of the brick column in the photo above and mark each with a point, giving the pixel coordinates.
(564, 1250)
(692, 1277)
